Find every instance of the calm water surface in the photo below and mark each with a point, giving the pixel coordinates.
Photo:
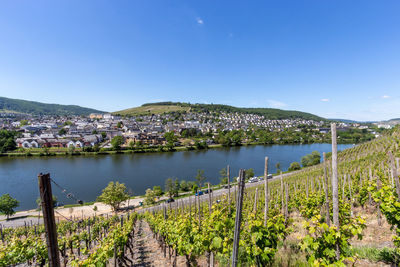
(85, 177)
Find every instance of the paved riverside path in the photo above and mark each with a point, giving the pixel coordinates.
(31, 216)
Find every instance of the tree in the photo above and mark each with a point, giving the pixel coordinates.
(116, 142)
(7, 142)
(39, 201)
(8, 204)
(131, 145)
(200, 178)
(249, 173)
(311, 159)
(195, 187)
(185, 186)
(103, 135)
(119, 124)
(224, 176)
(294, 166)
(71, 149)
(62, 131)
(157, 190)
(150, 196)
(170, 187)
(278, 167)
(114, 194)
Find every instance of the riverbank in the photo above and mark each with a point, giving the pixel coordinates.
(65, 152)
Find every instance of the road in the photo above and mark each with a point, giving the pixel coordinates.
(32, 216)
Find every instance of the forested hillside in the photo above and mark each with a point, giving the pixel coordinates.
(268, 113)
(38, 108)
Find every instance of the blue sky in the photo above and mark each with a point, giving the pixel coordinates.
(337, 59)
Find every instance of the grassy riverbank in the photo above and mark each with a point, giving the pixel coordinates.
(55, 151)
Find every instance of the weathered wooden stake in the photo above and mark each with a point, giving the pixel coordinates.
(335, 195)
(369, 193)
(378, 185)
(266, 191)
(328, 216)
(229, 188)
(395, 175)
(282, 194)
(211, 264)
(236, 235)
(255, 201)
(46, 197)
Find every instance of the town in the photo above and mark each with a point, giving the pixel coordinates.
(173, 129)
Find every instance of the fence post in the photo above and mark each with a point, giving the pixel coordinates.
(229, 188)
(266, 191)
(328, 216)
(335, 193)
(236, 235)
(46, 197)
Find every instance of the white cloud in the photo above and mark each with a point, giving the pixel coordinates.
(385, 96)
(325, 100)
(200, 21)
(275, 104)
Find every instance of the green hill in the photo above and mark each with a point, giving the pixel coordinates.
(37, 108)
(165, 107)
(151, 109)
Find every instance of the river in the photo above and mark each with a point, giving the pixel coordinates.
(86, 176)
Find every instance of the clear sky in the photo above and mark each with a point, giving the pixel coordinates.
(336, 59)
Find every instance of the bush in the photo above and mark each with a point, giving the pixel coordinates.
(294, 166)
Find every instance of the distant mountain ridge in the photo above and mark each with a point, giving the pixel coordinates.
(38, 108)
(269, 113)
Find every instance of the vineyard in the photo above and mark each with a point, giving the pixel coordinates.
(309, 218)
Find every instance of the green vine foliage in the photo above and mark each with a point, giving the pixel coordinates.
(320, 243)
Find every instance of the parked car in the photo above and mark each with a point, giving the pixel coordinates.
(253, 180)
(269, 176)
(169, 200)
(206, 191)
(199, 193)
(261, 178)
(227, 186)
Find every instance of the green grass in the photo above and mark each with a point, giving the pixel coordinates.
(373, 254)
(151, 109)
(78, 205)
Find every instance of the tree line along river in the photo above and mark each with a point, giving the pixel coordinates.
(85, 177)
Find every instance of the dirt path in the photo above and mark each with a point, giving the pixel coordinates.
(147, 252)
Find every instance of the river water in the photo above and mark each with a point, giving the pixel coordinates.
(86, 176)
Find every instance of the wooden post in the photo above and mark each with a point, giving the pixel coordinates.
(378, 186)
(282, 204)
(369, 193)
(255, 201)
(46, 198)
(343, 187)
(211, 263)
(238, 219)
(335, 193)
(286, 202)
(328, 216)
(229, 188)
(351, 198)
(395, 175)
(266, 191)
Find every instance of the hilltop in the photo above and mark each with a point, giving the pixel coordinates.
(165, 107)
(9, 105)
